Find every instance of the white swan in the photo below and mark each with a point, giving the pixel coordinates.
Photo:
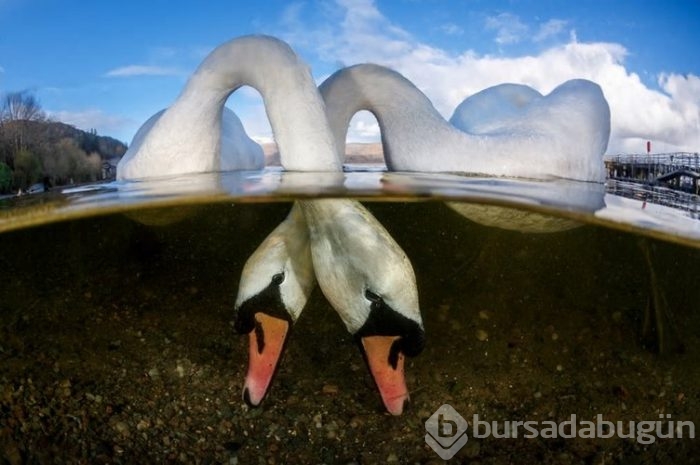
(505, 130)
(561, 135)
(275, 285)
(362, 271)
(187, 137)
(496, 110)
(191, 137)
(370, 282)
(490, 110)
(237, 150)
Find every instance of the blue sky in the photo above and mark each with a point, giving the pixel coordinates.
(110, 65)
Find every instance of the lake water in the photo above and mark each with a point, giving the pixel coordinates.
(116, 343)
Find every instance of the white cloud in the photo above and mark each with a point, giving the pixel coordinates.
(509, 29)
(451, 29)
(164, 53)
(668, 115)
(549, 29)
(93, 118)
(291, 13)
(364, 127)
(143, 70)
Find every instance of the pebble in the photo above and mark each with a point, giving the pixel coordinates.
(142, 425)
(64, 388)
(481, 335)
(332, 430)
(122, 428)
(330, 389)
(356, 422)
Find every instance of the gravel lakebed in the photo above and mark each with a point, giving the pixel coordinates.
(116, 346)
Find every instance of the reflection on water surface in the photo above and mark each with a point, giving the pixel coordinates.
(617, 204)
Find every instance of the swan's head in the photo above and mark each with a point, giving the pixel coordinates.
(392, 330)
(275, 285)
(369, 281)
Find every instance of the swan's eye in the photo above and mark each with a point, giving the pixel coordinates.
(372, 297)
(278, 279)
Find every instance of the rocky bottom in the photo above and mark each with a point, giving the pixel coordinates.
(117, 347)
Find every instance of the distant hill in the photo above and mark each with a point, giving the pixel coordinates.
(354, 153)
(50, 132)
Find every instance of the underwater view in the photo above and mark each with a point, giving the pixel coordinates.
(118, 341)
(349, 232)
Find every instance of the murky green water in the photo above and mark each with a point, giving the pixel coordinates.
(116, 344)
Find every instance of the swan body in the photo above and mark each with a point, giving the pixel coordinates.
(562, 135)
(237, 150)
(187, 137)
(505, 130)
(497, 110)
(490, 110)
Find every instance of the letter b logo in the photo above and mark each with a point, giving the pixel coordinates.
(446, 427)
(446, 431)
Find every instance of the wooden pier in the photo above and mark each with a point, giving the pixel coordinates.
(678, 171)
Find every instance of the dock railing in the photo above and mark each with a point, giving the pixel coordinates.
(649, 168)
(689, 203)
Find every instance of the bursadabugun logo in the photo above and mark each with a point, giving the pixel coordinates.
(447, 430)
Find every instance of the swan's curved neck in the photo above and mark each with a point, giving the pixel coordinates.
(561, 135)
(291, 99)
(399, 106)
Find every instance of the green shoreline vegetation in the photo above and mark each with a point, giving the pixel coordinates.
(34, 149)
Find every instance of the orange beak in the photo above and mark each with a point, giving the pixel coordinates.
(389, 379)
(265, 350)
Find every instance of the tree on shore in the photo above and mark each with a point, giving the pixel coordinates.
(21, 106)
(27, 168)
(34, 149)
(16, 110)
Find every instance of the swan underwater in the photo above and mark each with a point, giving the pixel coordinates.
(363, 273)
